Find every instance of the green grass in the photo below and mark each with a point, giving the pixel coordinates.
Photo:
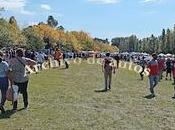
(65, 100)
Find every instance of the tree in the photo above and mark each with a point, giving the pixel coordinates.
(10, 35)
(52, 22)
(34, 41)
(61, 28)
(13, 21)
(5, 34)
(47, 35)
(168, 46)
(163, 41)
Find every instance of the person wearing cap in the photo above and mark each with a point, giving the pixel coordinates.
(107, 69)
(153, 73)
(4, 67)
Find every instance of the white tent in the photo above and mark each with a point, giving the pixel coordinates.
(161, 54)
(169, 55)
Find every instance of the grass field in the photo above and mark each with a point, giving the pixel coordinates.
(66, 100)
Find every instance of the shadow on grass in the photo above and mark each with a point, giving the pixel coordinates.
(7, 114)
(101, 91)
(60, 68)
(63, 68)
(150, 96)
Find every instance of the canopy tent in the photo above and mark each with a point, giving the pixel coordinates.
(169, 55)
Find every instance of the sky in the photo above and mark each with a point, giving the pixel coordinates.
(100, 18)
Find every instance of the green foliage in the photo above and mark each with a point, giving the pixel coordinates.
(13, 21)
(10, 34)
(5, 34)
(33, 37)
(161, 44)
(52, 21)
(33, 40)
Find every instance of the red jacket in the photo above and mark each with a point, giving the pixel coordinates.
(153, 67)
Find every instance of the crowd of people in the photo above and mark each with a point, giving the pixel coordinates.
(13, 72)
(155, 64)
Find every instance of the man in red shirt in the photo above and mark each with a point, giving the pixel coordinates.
(153, 73)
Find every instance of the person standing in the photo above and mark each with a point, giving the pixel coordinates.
(19, 75)
(40, 59)
(173, 71)
(117, 58)
(4, 67)
(142, 64)
(153, 73)
(168, 68)
(107, 69)
(58, 56)
(161, 63)
(65, 55)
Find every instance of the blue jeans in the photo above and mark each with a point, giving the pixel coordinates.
(3, 88)
(153, 82)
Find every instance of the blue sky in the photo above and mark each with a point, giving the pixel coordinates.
(100, 18)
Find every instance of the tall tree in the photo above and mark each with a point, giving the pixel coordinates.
(163, 41)
(173, 47)
(13, 21)
(168, 43)
(52, 21)
(61, 28)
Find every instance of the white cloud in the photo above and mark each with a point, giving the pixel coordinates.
(149, 1)
(105, 1)
(45, 6)
(12, 4)
(15, 5)
(32, 23)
